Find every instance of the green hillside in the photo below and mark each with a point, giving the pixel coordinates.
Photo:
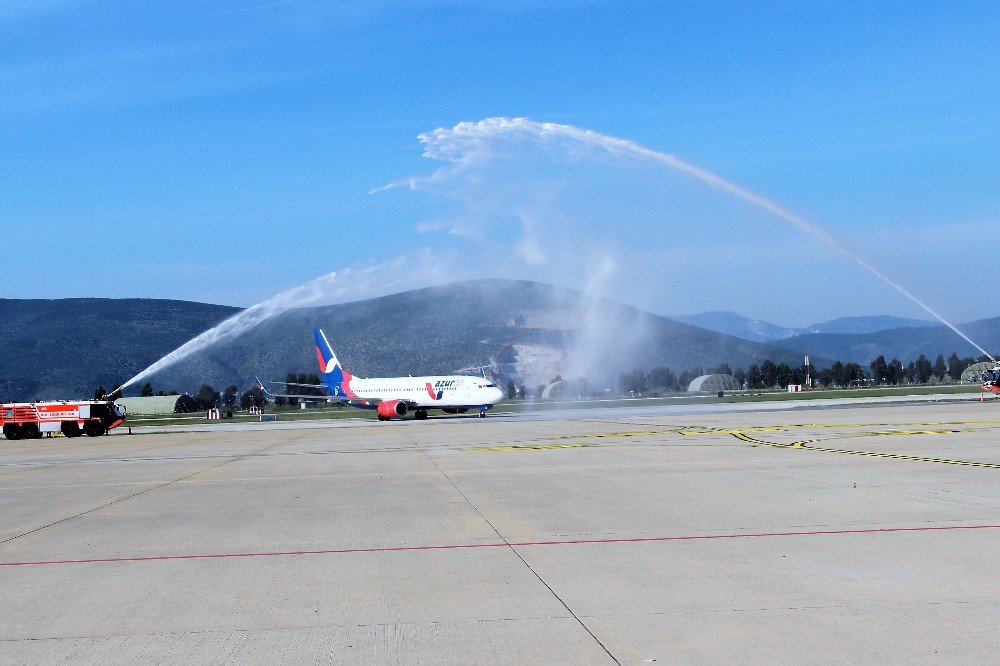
(444, 329)
(69, 346)
(65, 348)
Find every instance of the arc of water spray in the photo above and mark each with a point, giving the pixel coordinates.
(466, 141)
(819, 234)
(242, 322)
(336, 286)
(462, 145)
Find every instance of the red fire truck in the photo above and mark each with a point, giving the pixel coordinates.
(31, 420)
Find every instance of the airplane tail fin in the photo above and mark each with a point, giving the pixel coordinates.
(333, 373)
(260, 387)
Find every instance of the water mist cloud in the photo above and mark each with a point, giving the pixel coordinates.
(469, 147)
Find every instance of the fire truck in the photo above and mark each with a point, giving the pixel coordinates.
(31, 420)
(991, 380)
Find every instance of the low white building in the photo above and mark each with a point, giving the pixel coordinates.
(154, 404)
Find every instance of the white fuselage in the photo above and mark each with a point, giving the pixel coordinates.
(427, 392)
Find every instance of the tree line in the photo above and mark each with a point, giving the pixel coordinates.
(769, 374)
(206, 397)
(922, 370)
(301, 384)
(766, 375)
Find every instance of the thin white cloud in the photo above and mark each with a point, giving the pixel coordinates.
(21, 9)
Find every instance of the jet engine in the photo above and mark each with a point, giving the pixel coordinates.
(389, 408)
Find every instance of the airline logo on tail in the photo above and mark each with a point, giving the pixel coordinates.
(337, 379)
(324, 353)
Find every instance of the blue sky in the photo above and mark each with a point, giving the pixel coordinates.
(224, 151)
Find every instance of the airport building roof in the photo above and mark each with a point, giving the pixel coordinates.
(974, 373)
(714, 383)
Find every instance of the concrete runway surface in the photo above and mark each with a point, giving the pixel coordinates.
(818, 535)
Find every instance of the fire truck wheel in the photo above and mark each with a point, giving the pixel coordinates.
(30, 431)
(12, 431)
(93, 428)
(70, 428)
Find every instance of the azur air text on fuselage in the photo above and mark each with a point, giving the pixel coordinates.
(395, 396)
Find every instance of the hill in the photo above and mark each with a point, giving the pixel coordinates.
(906, 344)
(758, 330)
(869, 324)
(65, 348)
(732, 323)
(526, 331)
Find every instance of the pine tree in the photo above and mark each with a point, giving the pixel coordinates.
(880, 369)
(207, 397)
(940, 369)
(923, 368)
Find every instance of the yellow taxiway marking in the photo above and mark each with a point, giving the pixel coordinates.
(745, 434)
(777, 428)
(520, 447)
(807, 445)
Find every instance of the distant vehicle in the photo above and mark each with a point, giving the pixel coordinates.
(394, 397)
(991, 380)
(31, 420)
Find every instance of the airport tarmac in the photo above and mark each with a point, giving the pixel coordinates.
(826, 535)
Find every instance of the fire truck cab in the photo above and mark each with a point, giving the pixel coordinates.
(991, 379)
(31, 420)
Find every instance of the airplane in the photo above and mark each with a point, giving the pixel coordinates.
(396, 396)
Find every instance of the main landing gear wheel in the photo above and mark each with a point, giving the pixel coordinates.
(93, 428)
(482, 415)
(420, 414)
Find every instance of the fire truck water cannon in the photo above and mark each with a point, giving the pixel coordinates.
(114, 395)
(32, 420)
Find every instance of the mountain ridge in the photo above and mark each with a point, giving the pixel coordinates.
(906, 344)
(527, 331)
(759, 330)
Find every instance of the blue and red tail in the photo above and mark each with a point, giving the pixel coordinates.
(335, 377)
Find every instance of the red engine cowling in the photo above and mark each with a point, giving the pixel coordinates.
(390, 408)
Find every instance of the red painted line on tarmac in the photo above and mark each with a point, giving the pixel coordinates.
(563, 542)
